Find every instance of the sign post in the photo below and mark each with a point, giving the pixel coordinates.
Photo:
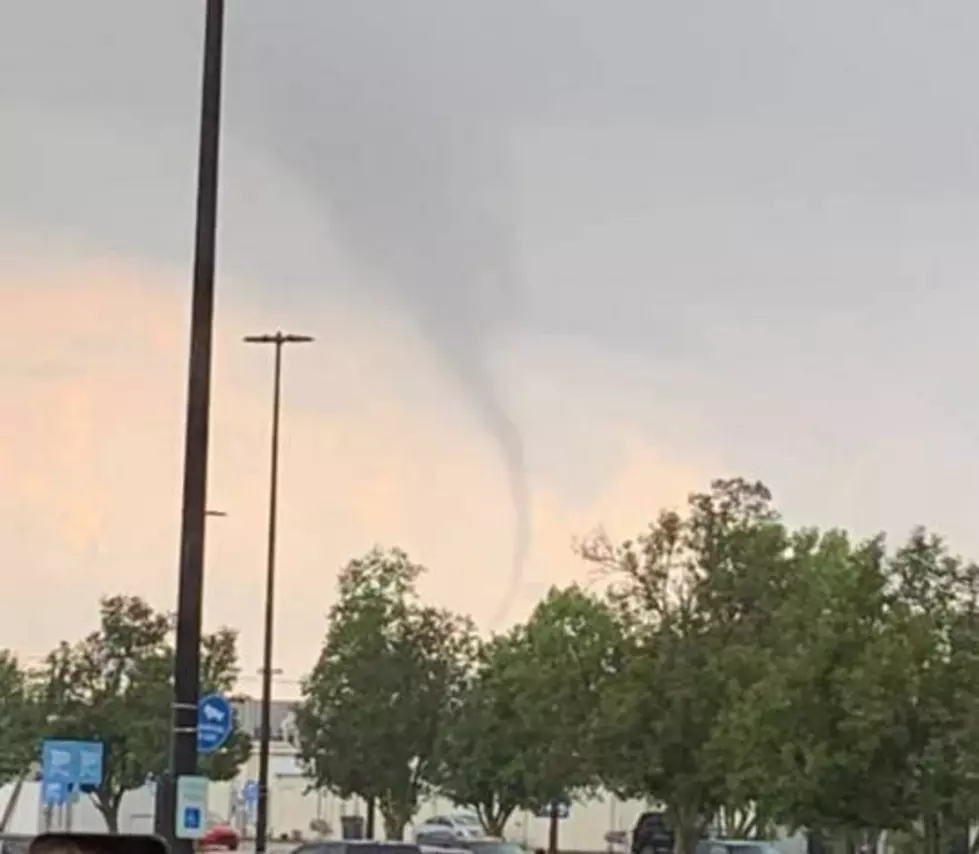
(191, 818)
(215, 722)
(69, 767)
(249, 794)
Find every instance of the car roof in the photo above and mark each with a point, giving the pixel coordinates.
(363, 843)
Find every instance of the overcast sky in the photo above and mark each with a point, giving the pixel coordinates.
(565, 261)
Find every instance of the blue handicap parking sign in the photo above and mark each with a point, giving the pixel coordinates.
(72, 763)
(54, 792)
(191, 811)
(215, 722)
(91, 755)
(58, 761)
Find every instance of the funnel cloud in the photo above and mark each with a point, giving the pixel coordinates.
(417, 190)
(733, 217)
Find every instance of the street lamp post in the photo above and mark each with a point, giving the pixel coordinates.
(261, 818)
(165, 794)
(183, 743)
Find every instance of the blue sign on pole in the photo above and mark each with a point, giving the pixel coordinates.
(249, 794)
(91, 757)
(215, 722)
(72, 763)
(54, 792)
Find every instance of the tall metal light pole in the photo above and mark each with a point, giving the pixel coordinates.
(183, 744)
(165, 794)
(262, 812)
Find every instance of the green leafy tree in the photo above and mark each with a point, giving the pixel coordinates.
(479, 762)
(115, 687)
(697, 594)
(20, 719)
(820, 737)
(934, 603)
(867, 719)
(792, 676)
(520, 736)
(388, 671)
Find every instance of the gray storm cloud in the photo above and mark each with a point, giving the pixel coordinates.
(409, 157)
(784, 151)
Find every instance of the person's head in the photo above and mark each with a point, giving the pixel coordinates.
(96, 843)
(58, 843)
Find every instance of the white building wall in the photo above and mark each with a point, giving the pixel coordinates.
(293, 808)
(135, 811)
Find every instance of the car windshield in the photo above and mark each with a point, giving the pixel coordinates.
(735, 848)
(753, 848)
(494, 846)
(468, 820)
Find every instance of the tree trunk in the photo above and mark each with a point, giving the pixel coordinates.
(493, 816)
(395, 819)
(109, 808)
(552, 831)
(933, 842)
(494, 823)
(11, 808)
(369, 820)
(685, 821)
(740, 823)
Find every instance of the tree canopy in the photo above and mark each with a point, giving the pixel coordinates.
(21, 719)
(745, 673)
(115, 686)
(520, 735)
(389, 669)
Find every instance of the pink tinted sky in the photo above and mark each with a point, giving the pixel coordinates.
(738, 257)
(90, 446)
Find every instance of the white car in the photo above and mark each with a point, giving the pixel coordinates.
(461, 825)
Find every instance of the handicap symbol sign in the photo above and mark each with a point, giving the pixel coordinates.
(58, 761)
(215, 722)
(249, 793)
(191, 808)
(54, 792)
(72, 763)
(90, 759)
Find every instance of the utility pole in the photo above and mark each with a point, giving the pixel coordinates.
(278, 340)
(183, 741)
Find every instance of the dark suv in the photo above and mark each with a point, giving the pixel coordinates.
(652, 835)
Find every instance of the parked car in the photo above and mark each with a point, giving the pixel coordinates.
(219, 836)
(356, 846)
(461, 825)
(491, 845)
(735, 846)
(443, 840)
(652, 834)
